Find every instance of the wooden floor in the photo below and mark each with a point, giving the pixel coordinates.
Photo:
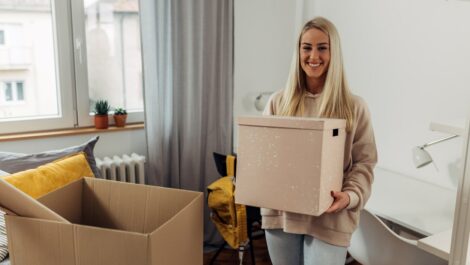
(230, 256)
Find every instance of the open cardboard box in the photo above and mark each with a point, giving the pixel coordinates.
(289, 163)
(99, 222)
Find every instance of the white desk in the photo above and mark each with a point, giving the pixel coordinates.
(417, 205)
(438, 244)
(457, 237)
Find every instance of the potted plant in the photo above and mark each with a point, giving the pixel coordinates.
(120, 116)
(101, 114)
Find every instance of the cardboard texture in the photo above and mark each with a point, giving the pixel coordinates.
(110, 222)
(289, 163)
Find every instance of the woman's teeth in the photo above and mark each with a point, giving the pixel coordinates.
(314, 64)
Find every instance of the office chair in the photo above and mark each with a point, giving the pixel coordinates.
(374, 243)
(253, 215)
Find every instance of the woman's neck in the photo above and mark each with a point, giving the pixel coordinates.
(315, 85)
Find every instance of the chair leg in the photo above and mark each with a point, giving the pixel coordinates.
(217, 253)
(250, 238)
(252, 252)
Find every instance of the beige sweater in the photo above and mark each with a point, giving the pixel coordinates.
(360, 157)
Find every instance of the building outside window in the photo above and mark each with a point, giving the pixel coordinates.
(69, 53)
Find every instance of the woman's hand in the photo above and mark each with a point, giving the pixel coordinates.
(341, 201)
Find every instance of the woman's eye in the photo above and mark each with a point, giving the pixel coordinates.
(322, 48)
(306, 48)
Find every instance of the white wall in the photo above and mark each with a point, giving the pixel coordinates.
(408, 59)
(264, 39)
(111, 143)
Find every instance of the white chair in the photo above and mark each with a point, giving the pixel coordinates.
(373, 243)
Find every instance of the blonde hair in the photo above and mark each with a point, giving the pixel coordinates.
(336, 99)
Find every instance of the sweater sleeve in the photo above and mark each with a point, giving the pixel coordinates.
(358, 179)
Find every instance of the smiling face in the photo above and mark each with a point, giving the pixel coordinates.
(314, 55)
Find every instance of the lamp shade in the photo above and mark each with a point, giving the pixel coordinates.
(421, 157)
(261, 100)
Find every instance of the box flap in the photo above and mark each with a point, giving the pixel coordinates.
(181, 234)
(66, 201)
(164, 203)
(22, 204)
(292, 122)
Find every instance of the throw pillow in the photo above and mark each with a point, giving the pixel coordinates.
(15, 162)
(3, 238)
(3, 232)
(46, 178)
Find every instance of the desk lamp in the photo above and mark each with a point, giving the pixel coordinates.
(421, 157)
(259, 103)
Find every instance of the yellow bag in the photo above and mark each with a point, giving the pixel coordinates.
(228, 217)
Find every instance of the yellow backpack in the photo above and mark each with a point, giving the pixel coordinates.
(228, 217)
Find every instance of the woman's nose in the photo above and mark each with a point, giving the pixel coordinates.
(313, 55)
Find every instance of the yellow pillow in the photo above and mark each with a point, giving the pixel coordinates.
(46, 178)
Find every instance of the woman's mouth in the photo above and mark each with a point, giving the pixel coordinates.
(314, 65)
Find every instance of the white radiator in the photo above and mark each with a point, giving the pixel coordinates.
(123, 168)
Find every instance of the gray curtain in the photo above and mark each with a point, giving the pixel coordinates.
(188, 80)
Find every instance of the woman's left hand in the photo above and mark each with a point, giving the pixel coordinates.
(341, 201)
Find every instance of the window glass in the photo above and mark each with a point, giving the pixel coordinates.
(8, 92)
(114, 53)
(2, 37)
(19, 91)
(30, 57)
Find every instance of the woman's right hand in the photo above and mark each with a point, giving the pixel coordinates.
(341, 201)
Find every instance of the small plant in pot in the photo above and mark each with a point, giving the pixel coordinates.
(120, 116)
(101, 114)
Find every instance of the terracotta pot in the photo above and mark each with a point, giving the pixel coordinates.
(101, 121)
(120, 120)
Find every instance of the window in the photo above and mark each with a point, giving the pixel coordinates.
(13, 92)
(7, 92)
(67, 54)
(2, 37)
(19, 91)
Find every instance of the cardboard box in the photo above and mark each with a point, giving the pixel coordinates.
(101, 222)
(289, 163)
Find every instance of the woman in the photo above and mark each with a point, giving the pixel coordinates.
(317, 87)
